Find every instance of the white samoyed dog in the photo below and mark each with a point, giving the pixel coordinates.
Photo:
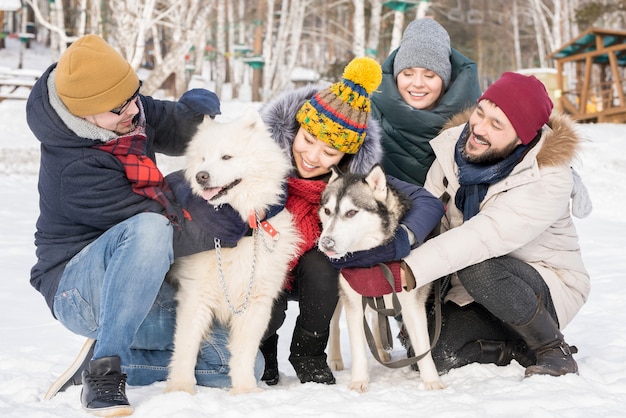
(235, 163)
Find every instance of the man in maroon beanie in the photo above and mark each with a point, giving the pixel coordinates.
(507, 239)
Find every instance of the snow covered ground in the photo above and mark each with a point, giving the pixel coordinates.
(34, 348)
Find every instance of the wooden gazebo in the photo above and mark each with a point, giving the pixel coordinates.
(599, 57)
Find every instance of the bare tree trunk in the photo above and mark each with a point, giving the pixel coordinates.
(557, 31)
(373, 39)
(95, 17)
(297, 14)
(156, 45)
(358, 29)
(282, 51)
(230, 47)
(257, 73)
(516, 42)
(220, 44)
(421, 9)
(136, 14)
(546, 35)
(56, 25)
(398, 28)
(272, 43)
(185, 21)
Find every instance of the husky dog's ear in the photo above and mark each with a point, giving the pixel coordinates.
(335, 173)
(377, 181)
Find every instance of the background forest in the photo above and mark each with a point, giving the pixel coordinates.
(267, 45)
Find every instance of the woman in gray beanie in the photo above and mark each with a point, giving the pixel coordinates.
(425, 83)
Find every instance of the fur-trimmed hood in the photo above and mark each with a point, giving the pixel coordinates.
(559, 142)
(280, 117)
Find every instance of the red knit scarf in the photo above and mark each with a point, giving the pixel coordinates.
(144, 176)
(303, 200)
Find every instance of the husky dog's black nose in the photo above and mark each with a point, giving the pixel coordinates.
(327, 243)
(202, 177)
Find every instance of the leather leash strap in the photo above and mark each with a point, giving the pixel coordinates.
(378, 305)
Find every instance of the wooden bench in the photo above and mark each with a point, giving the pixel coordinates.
(16, 84)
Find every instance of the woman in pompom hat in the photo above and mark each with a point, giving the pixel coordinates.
(425, 82)
(508, 237)
(320, 127)
(109, 225)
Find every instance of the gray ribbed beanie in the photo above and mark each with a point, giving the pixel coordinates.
(425, 44)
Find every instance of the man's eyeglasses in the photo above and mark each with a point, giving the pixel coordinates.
(120, 109)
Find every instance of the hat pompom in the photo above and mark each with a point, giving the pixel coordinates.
(365, 72)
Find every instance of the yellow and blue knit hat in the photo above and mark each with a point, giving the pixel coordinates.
(339, 114)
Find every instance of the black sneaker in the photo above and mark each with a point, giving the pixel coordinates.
(104, 388)
(73, 375)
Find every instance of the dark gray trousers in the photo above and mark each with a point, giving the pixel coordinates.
(505, 291)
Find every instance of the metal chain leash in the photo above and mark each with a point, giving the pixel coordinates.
(218, 250)
(256, 233)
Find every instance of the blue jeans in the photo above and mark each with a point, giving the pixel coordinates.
(113, 291)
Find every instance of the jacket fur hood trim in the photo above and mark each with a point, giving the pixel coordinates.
(279, 116)
(559, 138)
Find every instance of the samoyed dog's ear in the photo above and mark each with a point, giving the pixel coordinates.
(251, 117)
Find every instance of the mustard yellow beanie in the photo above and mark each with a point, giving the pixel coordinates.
(339, 114)
(91, 77)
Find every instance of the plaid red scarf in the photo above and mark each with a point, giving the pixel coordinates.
(144, 176)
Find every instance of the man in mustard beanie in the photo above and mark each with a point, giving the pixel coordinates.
(109, 225)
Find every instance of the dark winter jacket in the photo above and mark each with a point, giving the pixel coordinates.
(407, 131)
(84, 191)
(280, 117)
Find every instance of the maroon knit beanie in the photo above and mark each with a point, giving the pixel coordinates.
(524, 100)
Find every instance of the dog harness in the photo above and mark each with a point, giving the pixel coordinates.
(371, 282)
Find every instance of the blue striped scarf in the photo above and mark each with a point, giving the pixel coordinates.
(475, 179)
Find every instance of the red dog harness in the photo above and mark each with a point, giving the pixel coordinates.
(371, 282)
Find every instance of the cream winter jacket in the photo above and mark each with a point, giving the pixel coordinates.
(526, 215)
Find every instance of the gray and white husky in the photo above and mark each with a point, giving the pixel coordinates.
(235, 163)
(360, 212)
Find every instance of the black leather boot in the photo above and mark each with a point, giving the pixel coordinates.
(104, 388)
(543, 337)
(269, 349)
(308, 357)
(502, 353)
